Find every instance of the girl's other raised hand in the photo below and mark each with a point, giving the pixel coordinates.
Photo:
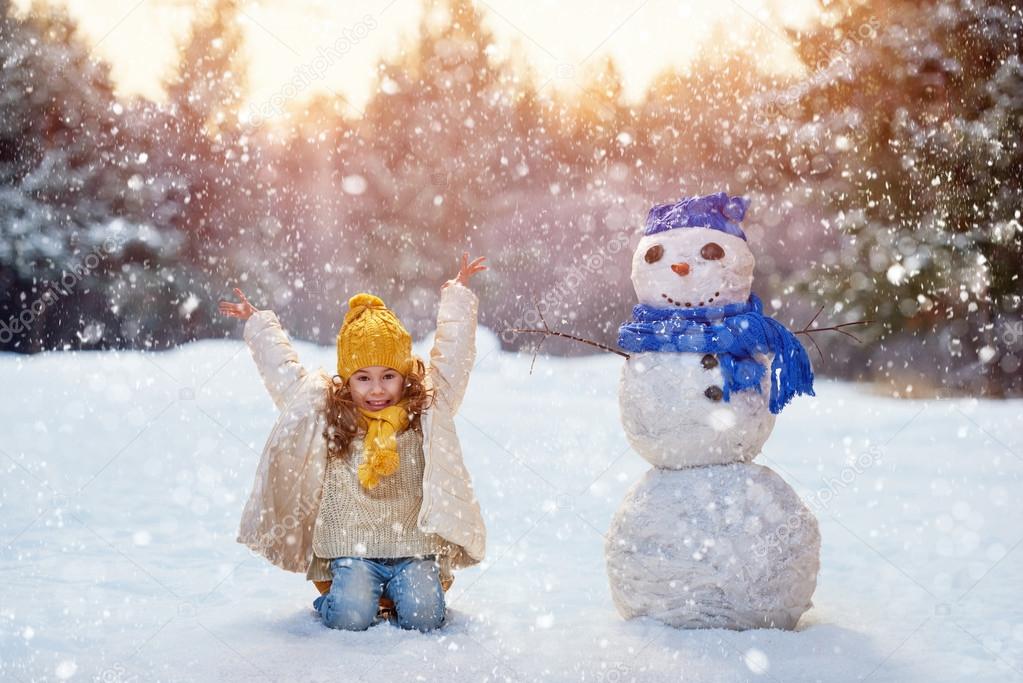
(467, 270)
(243, 311)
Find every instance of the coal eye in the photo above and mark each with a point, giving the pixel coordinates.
(654, 253)
(712, 251)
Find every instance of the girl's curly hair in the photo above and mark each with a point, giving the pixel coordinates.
(344, 420)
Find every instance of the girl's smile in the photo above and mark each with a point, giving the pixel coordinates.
(376, 387)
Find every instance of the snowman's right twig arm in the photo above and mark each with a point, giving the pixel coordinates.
(837, 328)
(548, 332)
(833, 328)
(814, 342)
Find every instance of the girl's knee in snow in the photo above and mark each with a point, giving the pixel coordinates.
(418, 596)
(348, 614)
(354, 596)
(422, 619)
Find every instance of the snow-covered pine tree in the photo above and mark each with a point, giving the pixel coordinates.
(435, 160)
(88, 255)
(214, 161)
(914, 113)
(55, 114)
(204, 94)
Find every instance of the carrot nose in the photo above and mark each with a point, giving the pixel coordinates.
(680, 268)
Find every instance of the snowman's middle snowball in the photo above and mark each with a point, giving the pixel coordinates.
(674, 418)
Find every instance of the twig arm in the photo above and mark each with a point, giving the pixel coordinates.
(548, 332)
(552, 333)
(833, 328)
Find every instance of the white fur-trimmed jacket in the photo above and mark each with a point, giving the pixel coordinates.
(278, 518)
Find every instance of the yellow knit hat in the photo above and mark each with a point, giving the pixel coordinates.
(372, 335)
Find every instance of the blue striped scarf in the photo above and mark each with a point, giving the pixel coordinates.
(735, 333)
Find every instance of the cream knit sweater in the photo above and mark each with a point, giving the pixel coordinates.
(381, 522)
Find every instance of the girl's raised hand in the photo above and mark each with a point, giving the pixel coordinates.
(244, 310)
(468, 269)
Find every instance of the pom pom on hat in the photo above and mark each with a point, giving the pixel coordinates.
(360, 302)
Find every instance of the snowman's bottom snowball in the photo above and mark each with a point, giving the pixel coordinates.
(727, 546)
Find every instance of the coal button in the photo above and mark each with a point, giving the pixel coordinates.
(714, 393)
(709, 361)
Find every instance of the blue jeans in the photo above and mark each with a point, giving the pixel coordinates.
(413, 583)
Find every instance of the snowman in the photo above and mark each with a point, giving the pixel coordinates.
(707, 538)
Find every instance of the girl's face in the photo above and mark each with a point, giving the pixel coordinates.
(376, 387)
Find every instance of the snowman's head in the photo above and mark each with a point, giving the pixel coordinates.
(694, 254)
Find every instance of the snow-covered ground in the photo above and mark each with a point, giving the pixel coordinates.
(124, 476)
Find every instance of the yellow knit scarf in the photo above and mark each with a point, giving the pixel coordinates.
(380, 458)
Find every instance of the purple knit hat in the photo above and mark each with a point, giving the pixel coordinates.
(714, 211)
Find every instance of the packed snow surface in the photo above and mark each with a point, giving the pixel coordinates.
(124, 476)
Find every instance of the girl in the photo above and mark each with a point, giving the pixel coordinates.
(361, 483)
